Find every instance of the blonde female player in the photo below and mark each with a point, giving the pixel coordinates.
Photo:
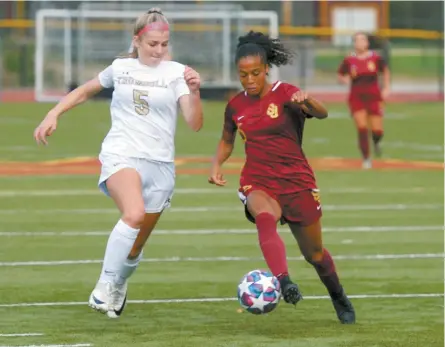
(137, 154)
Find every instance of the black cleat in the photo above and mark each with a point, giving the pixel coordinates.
(343, 307)
(291, 293)
(377, 150)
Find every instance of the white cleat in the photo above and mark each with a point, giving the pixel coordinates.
(118, 299)
(100, 297)
(367, 164)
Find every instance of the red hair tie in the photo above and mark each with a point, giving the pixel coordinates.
(155, 26)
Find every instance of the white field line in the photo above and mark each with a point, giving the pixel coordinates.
(202, 300)
(76, 345)
(349, 229)
(344, 115)
(21, 335)
(225, 259)
(415, 146)
(53, 177)
(94, 192)
(357, 207)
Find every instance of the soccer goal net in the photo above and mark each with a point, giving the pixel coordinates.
(72, 46)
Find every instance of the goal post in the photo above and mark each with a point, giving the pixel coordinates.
(53, 54)
(72, 46)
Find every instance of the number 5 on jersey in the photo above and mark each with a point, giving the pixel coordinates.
(140, 103)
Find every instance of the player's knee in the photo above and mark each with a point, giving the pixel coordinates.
(135, 252)
(259, 202)
(265, 211)
(361, 120)
(134, 217)
(314, 256)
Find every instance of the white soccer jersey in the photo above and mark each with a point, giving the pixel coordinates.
(144, 108)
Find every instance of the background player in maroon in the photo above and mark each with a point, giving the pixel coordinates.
(277, 182)
(361, 70)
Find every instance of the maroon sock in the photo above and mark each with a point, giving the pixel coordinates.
(363, 142)
(327, 273)
(377, 136)
(271, 244)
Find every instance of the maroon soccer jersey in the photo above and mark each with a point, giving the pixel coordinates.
(272, 131)
(364, 74)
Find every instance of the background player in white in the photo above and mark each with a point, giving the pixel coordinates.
(137, 155)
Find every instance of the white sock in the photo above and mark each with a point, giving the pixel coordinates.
(119, 245)
(127, 269)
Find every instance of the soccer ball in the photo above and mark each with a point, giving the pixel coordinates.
(259, 292)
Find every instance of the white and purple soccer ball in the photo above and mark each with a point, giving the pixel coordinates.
(259, 292)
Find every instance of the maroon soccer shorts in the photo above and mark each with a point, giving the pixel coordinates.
(372, 107)
(303, 207)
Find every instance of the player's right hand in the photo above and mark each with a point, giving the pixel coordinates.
(385, 94)
(45, 129)
(216, 177)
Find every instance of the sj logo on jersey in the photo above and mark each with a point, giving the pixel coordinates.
(371, 66)
(246, 188)
(316, 195)
(353, 71)
(272, 111)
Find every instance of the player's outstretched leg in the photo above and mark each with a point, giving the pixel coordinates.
(118, 296)
(363, 142)
(125, 189)
(119, 244)
(310, 242)
(377, 133)
(361, 122)
(376, 138)
(266, 212)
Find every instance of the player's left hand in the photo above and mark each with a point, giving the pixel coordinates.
(192, 79)
(45, 129)
(385, 94)
(299, 97)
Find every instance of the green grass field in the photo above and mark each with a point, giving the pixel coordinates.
(384, 227)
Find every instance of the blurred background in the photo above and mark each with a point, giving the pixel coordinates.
(52, 45)
(383, 226)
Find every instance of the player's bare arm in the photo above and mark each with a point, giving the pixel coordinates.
(343, 76)
(190, 104)
(77, 96)
(386, 83)
(309, 105)
(223, 152)
(344, 79)
(74, 98)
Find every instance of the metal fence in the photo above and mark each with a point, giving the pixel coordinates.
(416, 61)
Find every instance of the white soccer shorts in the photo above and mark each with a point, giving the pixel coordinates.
(158, 179)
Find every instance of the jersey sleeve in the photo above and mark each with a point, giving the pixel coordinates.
(229, 124)
(343, 69)
(106, 77)
(180, 87)
(289, 90)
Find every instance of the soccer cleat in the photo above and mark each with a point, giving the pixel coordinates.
(343, 307)
(290, 291)
(118, 299)
(99, 297)
(377, 150)
(367, 164)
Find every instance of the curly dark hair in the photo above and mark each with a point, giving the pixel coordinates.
(271, 51)
(375, 42)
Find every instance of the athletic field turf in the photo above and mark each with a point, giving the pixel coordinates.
(384, 227)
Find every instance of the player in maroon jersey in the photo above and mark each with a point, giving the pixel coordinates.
(277, 182)
(361, 70)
